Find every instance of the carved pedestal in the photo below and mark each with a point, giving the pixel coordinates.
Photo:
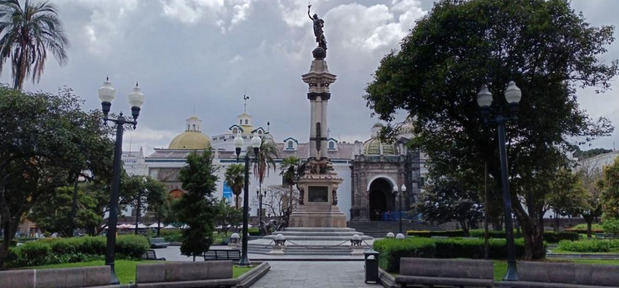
(318, 203)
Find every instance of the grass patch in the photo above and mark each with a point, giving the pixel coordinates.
(237, 270)
(125, 269)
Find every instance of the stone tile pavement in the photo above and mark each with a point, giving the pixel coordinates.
(314, 274)
(299, 274)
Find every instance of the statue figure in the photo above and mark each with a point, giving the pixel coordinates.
(318, 25)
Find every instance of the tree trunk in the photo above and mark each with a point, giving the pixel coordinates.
(158, 222)
(533, 233)
(9, 228)
(589, 221)
(556, 223)
(73, 212)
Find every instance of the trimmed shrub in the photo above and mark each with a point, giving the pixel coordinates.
(131, 246)
(589, 245)
(33, 253)
(582, 228)
(391, 250)
(67, 250)
(552, 237)
(427, 233)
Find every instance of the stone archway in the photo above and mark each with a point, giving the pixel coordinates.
(381, 198)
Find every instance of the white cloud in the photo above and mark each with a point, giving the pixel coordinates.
(374, 27)
(235, 59)
(223, 14)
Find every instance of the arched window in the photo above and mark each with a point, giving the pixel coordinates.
(331, 145)
(246, 121)
(260, 132)
(194, 127)
(290, 145)
(241, 122)
(235, 131)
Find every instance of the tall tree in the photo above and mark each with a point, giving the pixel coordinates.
(290, 173)
(27, 33)
(610, 194)
(567, 196)
(544, 46)
(452, 197)
(37, 151)
(197, 208)
(265, 161)
(235, 178)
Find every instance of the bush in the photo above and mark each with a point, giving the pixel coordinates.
(611, 226)
(131, 246)
(172, 235)
(67, 250)
(589, 245)
(33, 253)
(253, 231)
(391, 250)
(552, 237)
(427, 233)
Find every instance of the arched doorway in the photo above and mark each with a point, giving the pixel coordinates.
(381, 198)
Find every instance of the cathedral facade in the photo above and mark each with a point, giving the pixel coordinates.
(370, 169)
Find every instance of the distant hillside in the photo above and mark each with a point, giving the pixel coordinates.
(590, 153)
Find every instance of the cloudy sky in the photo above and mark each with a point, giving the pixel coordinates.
(200, 56)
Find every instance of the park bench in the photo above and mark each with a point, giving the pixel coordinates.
(94, 276)
(185, 274)
(151, 255)
(563, 275)
(222, 254)
(445, 272)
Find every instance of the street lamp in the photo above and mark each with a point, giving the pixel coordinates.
(402, 190)
(238, 144)
(484, 100)
(136, 99)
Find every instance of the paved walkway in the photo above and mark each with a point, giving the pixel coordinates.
(314, 274)
(299, 274)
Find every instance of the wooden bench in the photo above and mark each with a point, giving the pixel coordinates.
(94, 276)
(445, 272)
(185, 274)
(151, 255)
(222, 254)
(563, 275)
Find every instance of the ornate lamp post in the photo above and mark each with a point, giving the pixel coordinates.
(238, 143)
(402, 190)
(495, 115)
(136, 99)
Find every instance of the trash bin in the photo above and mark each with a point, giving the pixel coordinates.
(371, 266)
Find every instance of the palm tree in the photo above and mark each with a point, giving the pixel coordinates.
(289, 171)
(264, 161)
(26, 35)
(235, 178)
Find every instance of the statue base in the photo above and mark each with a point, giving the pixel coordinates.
(318, 203)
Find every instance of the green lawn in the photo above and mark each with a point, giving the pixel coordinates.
(559, 251)
(125, 269)
(237, 271)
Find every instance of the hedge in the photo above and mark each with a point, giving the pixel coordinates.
(589, 245)
(391, 250)
(77, 249)
(549, 236)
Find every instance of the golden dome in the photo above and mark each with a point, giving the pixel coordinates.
(190, 140)
(376, 147)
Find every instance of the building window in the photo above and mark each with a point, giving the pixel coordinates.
(260, 132)
(235, 131)
(290, 145)
(246, 121)
(241, 122)
(331, 145)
